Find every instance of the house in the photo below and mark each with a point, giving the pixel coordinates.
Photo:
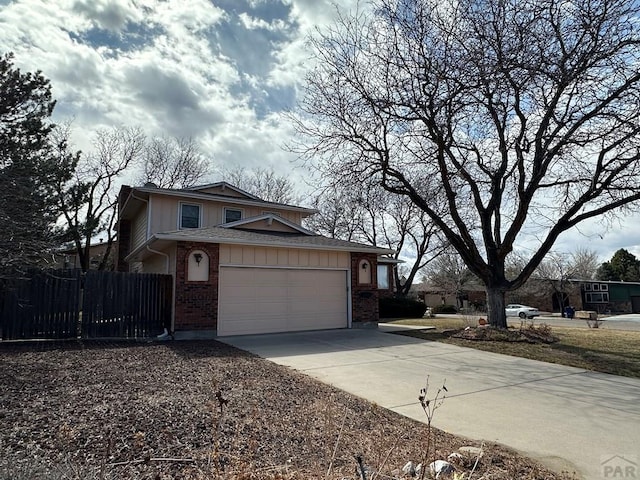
(69, 258)
(610, 296)
(242, 265)
(471, 295)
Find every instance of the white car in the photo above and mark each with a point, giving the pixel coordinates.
(522, 311)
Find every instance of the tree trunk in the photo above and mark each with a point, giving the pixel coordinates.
(495, 307)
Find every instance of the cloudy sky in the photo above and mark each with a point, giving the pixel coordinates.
(220, 71)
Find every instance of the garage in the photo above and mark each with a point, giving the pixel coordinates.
(267, 300)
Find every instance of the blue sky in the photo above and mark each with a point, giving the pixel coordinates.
(220, 71)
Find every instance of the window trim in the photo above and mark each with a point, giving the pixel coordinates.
(190, 204)
(386, 276)
(224, 214)
(604, 297)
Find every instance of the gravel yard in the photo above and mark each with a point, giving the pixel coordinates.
(196, 410)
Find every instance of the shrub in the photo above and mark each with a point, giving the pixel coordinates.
(444, 309)
(394, 307)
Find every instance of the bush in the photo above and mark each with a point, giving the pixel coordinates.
(444, 309)
(394, 307)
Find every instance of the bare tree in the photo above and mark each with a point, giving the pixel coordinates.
(368, 213)
(88, 202)
(399, 225)
(173, 163)
(522, 116)
(263, 183)
(449, 273)
(336, 215)
(556, 273)
(585, 264)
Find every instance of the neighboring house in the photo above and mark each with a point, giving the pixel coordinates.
(242, 265)
(470, 296)
(610, 297)
(69, 258)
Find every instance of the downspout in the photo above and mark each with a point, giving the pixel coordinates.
(167, 332)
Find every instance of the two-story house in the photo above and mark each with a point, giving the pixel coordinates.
(242, 265)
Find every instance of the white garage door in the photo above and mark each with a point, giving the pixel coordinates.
(268, 300)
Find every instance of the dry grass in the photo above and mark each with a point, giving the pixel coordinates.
(202, 410)
(609, 351)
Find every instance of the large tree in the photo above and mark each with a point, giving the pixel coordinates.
(88, 201)
(522, 115)
(28, 169)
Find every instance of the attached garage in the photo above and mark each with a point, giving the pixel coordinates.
(256, 300)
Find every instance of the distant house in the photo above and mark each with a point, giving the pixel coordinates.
(471, 295)
(69, 258)
(242, 265)
(610, 297)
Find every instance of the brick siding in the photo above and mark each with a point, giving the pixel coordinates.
(196, 302)
(364, 298)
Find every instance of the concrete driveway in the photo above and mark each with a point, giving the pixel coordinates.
(567, 418)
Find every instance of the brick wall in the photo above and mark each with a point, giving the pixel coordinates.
(364, 298)
(196, 302)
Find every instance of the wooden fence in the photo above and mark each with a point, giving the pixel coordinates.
(40, 304)
(125, 305)
(57, 304)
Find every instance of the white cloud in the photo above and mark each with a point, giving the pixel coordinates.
(108, 14)
(221, 71)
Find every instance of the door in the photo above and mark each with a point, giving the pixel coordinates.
(268, 300)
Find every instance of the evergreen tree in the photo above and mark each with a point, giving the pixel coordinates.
(623, 266)
(28, 169)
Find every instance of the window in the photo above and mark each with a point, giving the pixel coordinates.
(587, 287)
(599, 297)
(596, 287)
(232, 215)
(383, 277)
(604, 287)
(189, 215)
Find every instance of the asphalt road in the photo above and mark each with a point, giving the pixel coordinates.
(615, 322)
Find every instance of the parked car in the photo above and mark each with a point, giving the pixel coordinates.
(522, 311)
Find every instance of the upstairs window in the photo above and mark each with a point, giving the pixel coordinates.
(232, 215)
(189, 215)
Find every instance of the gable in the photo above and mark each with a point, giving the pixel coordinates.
(267, 225)
(224, 189)
(268, 222)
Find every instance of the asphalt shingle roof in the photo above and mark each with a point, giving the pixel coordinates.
(235, 235)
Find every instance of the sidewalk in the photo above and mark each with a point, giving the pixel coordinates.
(565, 417)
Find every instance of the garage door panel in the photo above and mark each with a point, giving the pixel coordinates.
(267, 300)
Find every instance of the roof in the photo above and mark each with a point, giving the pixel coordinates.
(252, 237)
(223, 186)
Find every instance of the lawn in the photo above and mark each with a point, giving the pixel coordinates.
(602, 350)
(202, 410)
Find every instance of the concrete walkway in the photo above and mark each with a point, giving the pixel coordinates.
(565, 417)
